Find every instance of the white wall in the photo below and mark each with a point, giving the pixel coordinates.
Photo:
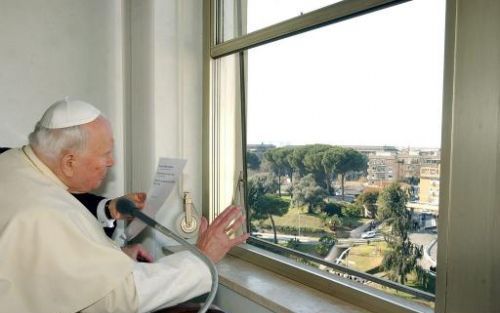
(139, 61)
(56, 48)
(166, 109)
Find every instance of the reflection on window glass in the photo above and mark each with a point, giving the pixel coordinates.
(343, 142)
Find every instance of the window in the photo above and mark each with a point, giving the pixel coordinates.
(368, 87)
(276, 11)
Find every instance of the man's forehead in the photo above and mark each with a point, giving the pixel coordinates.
(99, 135)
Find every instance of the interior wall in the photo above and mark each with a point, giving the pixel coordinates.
(166, 99)
(57, 48)
(138, 61)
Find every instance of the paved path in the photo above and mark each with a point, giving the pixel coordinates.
(427, 240)
(356, 232)
(337, 249)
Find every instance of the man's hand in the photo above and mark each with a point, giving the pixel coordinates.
(137, 253)
(214, 240)
(139, 199)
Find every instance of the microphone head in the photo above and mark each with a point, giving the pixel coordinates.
(125, 206)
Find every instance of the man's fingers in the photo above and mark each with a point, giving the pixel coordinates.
(138, 198)
(141, 196)
(239, 240)
(231, 210)
(226, 216)
(144, 255)
(236, 224)
(203, 225)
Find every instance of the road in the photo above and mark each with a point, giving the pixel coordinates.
(425, 239)
(285, 238)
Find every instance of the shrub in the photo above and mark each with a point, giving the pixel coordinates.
(352, 210)
(293, 243)
(333, 208)
(325, 244)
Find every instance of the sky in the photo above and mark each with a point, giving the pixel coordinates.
(372, 80)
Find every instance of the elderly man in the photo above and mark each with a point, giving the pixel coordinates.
(55, 256)
(102, 208)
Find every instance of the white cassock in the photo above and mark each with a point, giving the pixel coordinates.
(55, 257)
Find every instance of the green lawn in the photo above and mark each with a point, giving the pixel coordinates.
(349, 223)
(306, 220)
(366, 257)
(292, 219)
(311, 221)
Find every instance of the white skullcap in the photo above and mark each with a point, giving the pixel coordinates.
(66, 113)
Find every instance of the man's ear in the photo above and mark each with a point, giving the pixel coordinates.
(68, 163)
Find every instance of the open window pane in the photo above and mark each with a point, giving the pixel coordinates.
(343, 142)
(275, 11)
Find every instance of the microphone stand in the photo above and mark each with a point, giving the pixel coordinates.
(129, 208)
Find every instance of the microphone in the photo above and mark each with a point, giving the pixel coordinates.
(127, 207)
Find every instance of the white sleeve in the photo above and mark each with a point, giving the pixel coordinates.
(122, 299)
(101, 215)
(171, 280)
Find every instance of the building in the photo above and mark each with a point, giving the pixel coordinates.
(382, 168)
(386, 166)
(429, 185)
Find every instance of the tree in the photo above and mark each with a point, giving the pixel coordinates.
(333, 208)
(307, 192)
(253, 161)
(325, 244)
(331, 221)
(257, 186)
(342, 160)
(312, 164)
(368, 200)
(296, 160)
(392, 210)
(267, 206)
(279, 162)
(402, 258)
(329, 163)
(283, 156)
(262, 202)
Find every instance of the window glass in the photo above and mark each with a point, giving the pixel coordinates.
(343, 142)
(275, 11)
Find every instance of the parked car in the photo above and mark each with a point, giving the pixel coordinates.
(368, 234)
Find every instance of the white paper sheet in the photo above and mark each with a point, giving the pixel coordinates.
(167, 174)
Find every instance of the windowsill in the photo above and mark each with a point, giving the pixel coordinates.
(277, 283)
(275, 292)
